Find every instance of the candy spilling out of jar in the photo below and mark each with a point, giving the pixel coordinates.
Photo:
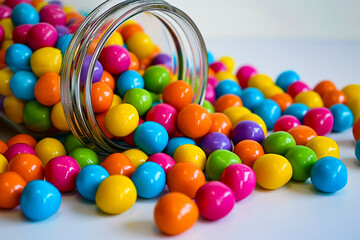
(210, 156)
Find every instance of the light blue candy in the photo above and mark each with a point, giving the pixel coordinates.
(285, 79)
(22, 85)
(24, 13)
(269, 111)
(17, 57)
(128, 80)
(89, 179)
(343, 117)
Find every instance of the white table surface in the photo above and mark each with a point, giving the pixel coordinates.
(295, 211)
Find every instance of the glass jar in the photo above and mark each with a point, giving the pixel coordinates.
(176, 34)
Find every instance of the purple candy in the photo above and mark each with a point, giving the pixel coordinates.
(98, 70)
(247, 130)
(5, 12)
(163, 59)
(17, 149)
(215, 141)
(59, 3)
(164, 160)
(2, 103)
(61, 30)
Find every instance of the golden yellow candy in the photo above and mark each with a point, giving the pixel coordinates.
(190, 153)
(40, 5)
(310, 98)
(225, 75)
(116, 194)
(122, 120)
(13, 108)
(6, 44)
(5, 76)
(3, 164)
(58, 117)
(271, 90)
(272, 171)
(257, 119)
(236, 113)
(260, 81)
(116, 101)
(323, 147)
(136, 156)
(115, 39)
(229, 63)
(354, 105)
(46, 60)
(48, 148)
(68, 9)
(8, 27)
(351, 91)
(141, 45)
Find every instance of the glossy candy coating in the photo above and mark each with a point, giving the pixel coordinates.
(285, 123)
(24, 14)
(218, 161)
(140, 99)
(28, 166)
(178, 94)
(297, 87)
(310, 98)
(285, 79)
(156, 78)
(115, 59)
(194, 121)
(101, 97)
(164, 160)
(215, 141)
(284, 100)
(22, 84)
(41, 35)
(226, 101)
(301, 159)
(247, 130)
(11, 187)
(128, 80)
(343, 117)
(49, 148)
(3, 163)
(84, 156)
(297, 110)
(58, 118)
(71, 143)
(17, 57)
(351, 91)
(37, 117)
(17, 149)
(89, 179)
(324, 87)
(278, 143)
(319, 119)
(175, 142)
(136, 156)
(302, 134)
(244, 74)
(354, 105)
(356, 130)
(47, 89)
(227, 87)
(255, 118)
(140, 44)
(118, 163)
(44, 60)
(269, 111)
(165, 115)
(53, 14)
(125, 114)
(190, 153)
(260, 81)
(248, 151)
(97, 71)
(220, 123)
(324, 147)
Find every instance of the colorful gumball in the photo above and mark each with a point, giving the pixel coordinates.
(128, 80)
(165, 115)
(260, 81)
(21, 138)
(71, 143)
(194, 121)
(356, 130)
(22, 84)
(53, 14)
(136, 156)
(176, 142)
(47, 89)
(115, 59)
(178, 94)
(301, 159)
(16, 149)
(310, 98)
(269, 111)
(357, 150)
(218, 161)
(220, 123)
(324, 147)
(226, 101)
(351, 91)
(302, 134)
(84, 156)
(97, 72)
(210, 94)
(17, 57)
(227, 87)
(236, 113)
(24, 14)
(244, 74)
(89, 179)
(20, 32)
(190, 153)
(49, 148)
(215, 141)
(343, 117)
(251, 98)
(285, 123)
(248, 151)
(324, 87)
(319, 119)
(11, 188)
(297, 87)
(151, 137)
(164, 160)
(46, 59)
(41, 35)
(247, 130)
(125, 114)
(140, 99)
(334, 97)
(297, 110)
(354, 105)
(278, 143)
(118, 163)
(284, 100)
(285, 79)
(156, 78)
(28, 166)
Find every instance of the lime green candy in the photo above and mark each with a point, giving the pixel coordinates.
(71, 143)
(279, 143)
(140, 99)
(208, 106)
(84, 156)
(156, 78)
(301, 159)
(154, 97)
(218, 161)
(37, 116)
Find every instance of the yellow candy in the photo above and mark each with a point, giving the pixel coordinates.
(116, 101)
(3, 164)
(323, 147)
(310, 98)
(122, 120)
(225, 75)
(229, 63)
(13, 108)
(257, 119)
(272, 171)
(5, 76)
(141, 45)
(116, 194)
(40, 5)
(68, 9)
(8, 27)
(48, 148)
(236, 113)
(354, 105)
(6, 44)
(58, 117)
(351, 91)
(190, 153)
(45, 60)
(271, 90)
(260, 81)
(136, 156)
(115, 39)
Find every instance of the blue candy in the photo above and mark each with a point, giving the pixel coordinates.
(210, 57)
(24, 14)
(343, 117)
(128, 80)
(22, 85)
(297, 110)
(357, 150)
(176, 142)
(285, 79)
(269, 111)
(227, 87)
(63, 43)
(251, 98)
(89, 179)
(17, 57)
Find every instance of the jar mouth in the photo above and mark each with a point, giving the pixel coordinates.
(187, 44)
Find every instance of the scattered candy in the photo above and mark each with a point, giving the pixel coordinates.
(89, 179)
(11, 188)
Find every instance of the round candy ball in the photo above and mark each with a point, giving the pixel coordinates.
(285, 123)
(247, 130)
(49, 148)
(310, 98)
(251, 98)
(297, 110)
(319, 119)
(22, 85)
(215, 200)
(244, 74)
(215, 141)
(357, 150)
(118, 163)
(329, 175)
(175, 142)
(248, 151)
(356, 130)
(17, 149)
(17, 57)
(20, 33)
(227, 87)
(218, 161)
(269, 111)
(178, 94)
(28, 166)
(11, 187)
(164, 160)
(285, 79)
(89, 179)
(297, 87)
(210, 94)
(63, 43)
(128, 80)
(324, 146)
(240, 178)
(122, 120)
(40, 200)
(140, 99)
(279, 143)
(46, 59)
(41, 35)
(149, 179)
(162, 59)
(62, 171)
(53, 14)
(96, 72)
(190, 153)
(194, 121)
(115, 59)
(37, 117)
(84, 156)
(156, 78)
(24, 14)
(343, 117)
(165, 115)
(302, 134)
(301, 159)
(272, 171)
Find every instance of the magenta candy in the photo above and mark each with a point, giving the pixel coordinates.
(215, 200)
(213, 81)
(240, 178)
(129, 139)
(320, 119)
(5, 12)
(210, 94)
(2, 34)
(62, 172)
(41, 35)
(17, 149)
(218, 66)
(13, 3)
(285, 123)
(244, 74)
(53, 14)
(297, 87)
(115, 59)
(164, 114)
(164, 160)
(20, 33)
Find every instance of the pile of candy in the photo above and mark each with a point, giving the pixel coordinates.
(215, 153)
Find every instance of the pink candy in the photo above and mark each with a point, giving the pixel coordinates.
(17, 149)
(115, 59)
(5, 12)
(297, 87)
(13, 3)
(164, 160)
(244, 74)
(320, 119)
(218, 66)
(240, 178)
(285, 123)
(2, 34)
(210, 94)
(41, 35)
(164, 114)
(213, 81)
(20, 33)
(53, 14)
(62, 172)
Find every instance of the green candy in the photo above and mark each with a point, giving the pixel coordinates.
(279, 143)
(208, 106)
(154, 97)
(140, 99)
(71, 143)
(218, 161)
(156, 78)
(84, 156)
(37, 117)
(301, 159)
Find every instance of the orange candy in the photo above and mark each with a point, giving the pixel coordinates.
(118, 163)
(28, 166)
(283, 99)
(178, 94)
(356, 130)
(323, 87)
(22, 138)
(134, 62)
(101, 97)
(226, 101)
(302, 134)
(108, 79)
(185, 177)
(194, 121)
(220, 123)
(129, 30)
(175, 213)
(11, 187)
(47, 89)
(100, 118)
(3, 147)
(334, 97)
(248, 151)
